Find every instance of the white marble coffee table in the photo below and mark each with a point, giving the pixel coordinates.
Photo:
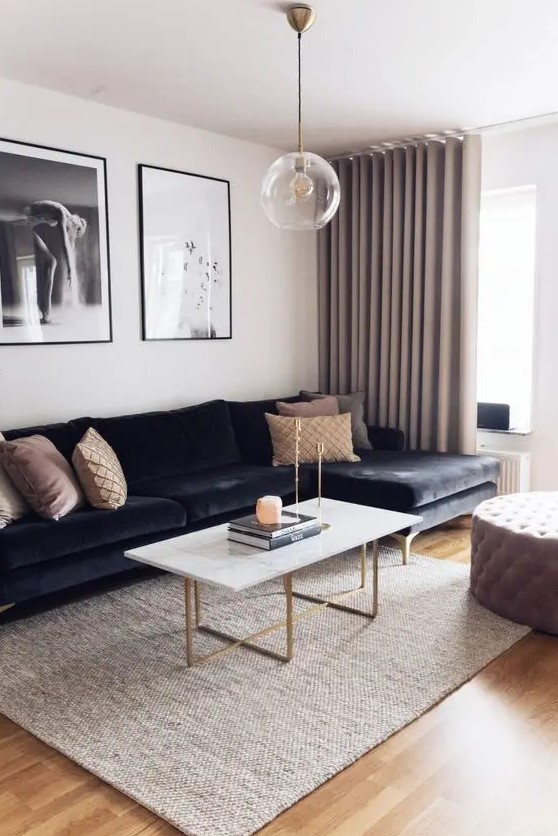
(207, 556)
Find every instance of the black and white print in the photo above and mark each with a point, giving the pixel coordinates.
(185, 254)
(54, 267)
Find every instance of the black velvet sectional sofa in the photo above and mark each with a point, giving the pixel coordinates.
(194, 467)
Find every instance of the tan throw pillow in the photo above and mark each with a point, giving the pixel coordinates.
(12, 504)
(42, 474)
(309, 409)
(334, 431)
(99, 472)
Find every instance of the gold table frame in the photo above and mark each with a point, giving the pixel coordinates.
(193, 614)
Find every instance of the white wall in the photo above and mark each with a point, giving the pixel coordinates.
(521, 158)
(274, 345)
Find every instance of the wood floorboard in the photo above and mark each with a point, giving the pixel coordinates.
(484, 762)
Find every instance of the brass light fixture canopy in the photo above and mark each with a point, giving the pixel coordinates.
(301, 17)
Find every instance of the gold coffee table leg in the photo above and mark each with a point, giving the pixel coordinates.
(192, 614)
(5, 607)
(188, 613)
(333, 602)
(363, 566)
(288, 584)
(197, 603)
(375, 550)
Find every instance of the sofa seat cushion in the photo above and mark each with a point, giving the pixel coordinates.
(222, 490)
(33, 540)
(404, 480)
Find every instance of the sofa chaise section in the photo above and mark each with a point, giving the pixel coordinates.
(402, 481)
(435, 486)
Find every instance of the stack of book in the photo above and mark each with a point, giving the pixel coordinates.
(292, 528)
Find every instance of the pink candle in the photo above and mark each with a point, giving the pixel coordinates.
(268, 510)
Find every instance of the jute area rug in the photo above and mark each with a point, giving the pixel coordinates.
(221, 749)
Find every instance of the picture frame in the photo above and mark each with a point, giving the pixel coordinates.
(185, 255)
(55, 286)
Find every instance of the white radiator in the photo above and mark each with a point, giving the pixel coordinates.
(514, 470)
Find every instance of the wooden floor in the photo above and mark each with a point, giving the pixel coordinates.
(482, 763)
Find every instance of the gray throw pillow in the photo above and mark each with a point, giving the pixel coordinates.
(353, 403)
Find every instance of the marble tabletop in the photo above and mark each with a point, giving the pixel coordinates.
(209, 557)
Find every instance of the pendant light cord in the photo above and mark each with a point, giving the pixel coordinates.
(299, 93)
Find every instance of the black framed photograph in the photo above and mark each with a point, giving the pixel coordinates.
(54, 256)
(185, 250)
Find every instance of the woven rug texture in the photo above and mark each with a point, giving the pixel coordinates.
(222, 749)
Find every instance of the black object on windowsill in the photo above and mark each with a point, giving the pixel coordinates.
(493, 416)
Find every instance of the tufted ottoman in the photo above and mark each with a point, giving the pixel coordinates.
(514, 554)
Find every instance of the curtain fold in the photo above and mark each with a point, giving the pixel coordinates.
(398, 290)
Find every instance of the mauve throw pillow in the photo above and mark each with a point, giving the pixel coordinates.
(309, 409)
(42, 474)
(353, 403)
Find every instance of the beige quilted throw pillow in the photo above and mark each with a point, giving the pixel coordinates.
(99, 472)
(333, 431)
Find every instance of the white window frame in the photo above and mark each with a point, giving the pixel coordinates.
(530, 189)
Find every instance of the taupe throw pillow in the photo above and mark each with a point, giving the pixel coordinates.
(12, 504)
(99, 472)
(309, 409)
(42, 474)
(354, 404)
(334, 431)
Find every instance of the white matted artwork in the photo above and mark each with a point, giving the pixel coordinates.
(185, 244)
(54, 260)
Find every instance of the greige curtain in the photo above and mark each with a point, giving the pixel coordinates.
(398, 290)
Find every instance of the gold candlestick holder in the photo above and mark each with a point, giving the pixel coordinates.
(320, 450)
(298, 428)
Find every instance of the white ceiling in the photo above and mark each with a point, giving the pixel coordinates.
(374, 69)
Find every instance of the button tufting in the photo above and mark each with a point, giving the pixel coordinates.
(514, 557)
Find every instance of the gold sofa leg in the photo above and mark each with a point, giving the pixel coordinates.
(5, 607)
(404, 543)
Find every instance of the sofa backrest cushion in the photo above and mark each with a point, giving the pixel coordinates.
(179, 441)
(63, 436)
(251, 430)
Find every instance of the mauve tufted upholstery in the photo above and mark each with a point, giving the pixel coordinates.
(514, 554)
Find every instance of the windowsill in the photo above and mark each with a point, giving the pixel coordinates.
(505, 432)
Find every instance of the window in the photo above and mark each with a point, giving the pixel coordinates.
(506, 301)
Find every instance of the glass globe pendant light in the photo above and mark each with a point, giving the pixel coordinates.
(300, 190)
